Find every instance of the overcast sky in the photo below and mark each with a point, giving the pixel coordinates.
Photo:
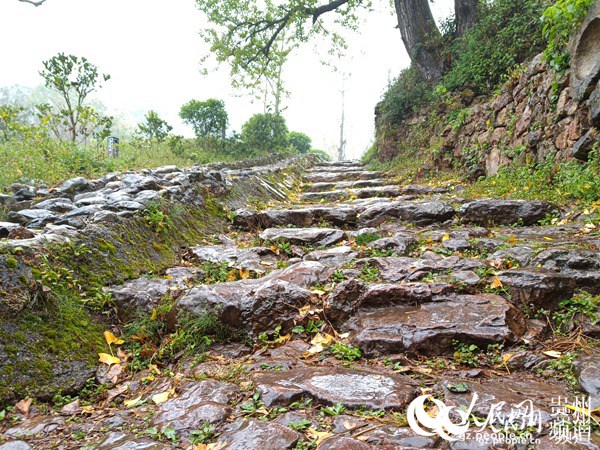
(152, 50)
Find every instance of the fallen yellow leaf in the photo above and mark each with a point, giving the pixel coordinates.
(317, 436)
(112, 339)
(160, 398)
(133, 402)
(108, 359)
(446, 237)
(496, 283)
(512, 240)
(552, 354)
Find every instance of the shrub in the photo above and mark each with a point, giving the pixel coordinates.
(265, 133)
(404, 96)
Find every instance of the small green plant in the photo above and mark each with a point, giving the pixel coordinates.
(366, 238)
(251, 407)
(170, 434)
(300, 425)
(156, 217)
(345, 352)
(313, 326)
(581, 304)
(337, 276)
(305, 445)
(563, 368)
(368, 273)
(334, 410)
(204, 435)
(466, 354)
(302, 404)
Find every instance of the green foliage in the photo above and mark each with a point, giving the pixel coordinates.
(300, 425)
(204, 435)
(369, 274)
(215, 273)
(345, 352)
(299, 141)
(156, 217)
(404, 96)
(265, 133)
(154, 127)
(313, 326)
(564, 369)
(581, 304)
(366, 238)
(208, 118)
(563, 182)
(74, 78)
(334, 410)
(467, 354)
(508, 33)
(559, 22)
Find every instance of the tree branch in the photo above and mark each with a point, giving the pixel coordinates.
(317, 12)
(34, 3)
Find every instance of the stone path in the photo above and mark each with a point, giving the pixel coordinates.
(358, 297)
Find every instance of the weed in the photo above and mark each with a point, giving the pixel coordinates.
(366, 238)
(581, 304)
(204, 435)
(300, 425)
(156, 217)
(345, 352)
(334, 410)
(368, 273)
(313, 326)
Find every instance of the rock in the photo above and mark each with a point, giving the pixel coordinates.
(354, 388)
(431, 328)
(468, 277)
(36, 426)
(7, 227)
(321, 187)
(400, 244)
(143, 294)
(585, 61)
(583, 146)
(122, 441)
(366, 192)
(511, 390)
(343, 423)
(92, 200)
(341, 216)
(521, 255)
(16, 445)
(145, 197)
(395, 269)
(343, 443)
(40, 216)
(304, 236)
(259, 304)
(7, 201)
(335, 256)
(587, 369)
(505, 212)
(401, 438)
(421, 213)
(198, 402)
(57, 205)
(254, 258)
(457, 244)
(334, 177)
(251, 434)
(135, 183)
(15, 277)
(537, 287)
(74, 185)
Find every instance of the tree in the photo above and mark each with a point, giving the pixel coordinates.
(265, 133)
(74, 78)
(208, 118)
(299, 141)
(154, 127)
(251, 36)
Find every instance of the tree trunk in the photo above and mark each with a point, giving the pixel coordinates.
(421, 36)
(466, 14)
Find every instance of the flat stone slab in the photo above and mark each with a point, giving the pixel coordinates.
(123, 441)
(511, 390)
(334, 177)
(587, 368)
(328, 186)
(304, 236)
(505, 212)
(335, 256)
(340, 216)
(420, 213)
(251, 434)
(366, 192)
(431, 328)
(258, 304)
(198, 402)
(330, 385)
(238, 258)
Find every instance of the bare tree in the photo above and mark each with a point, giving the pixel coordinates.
(33, 2)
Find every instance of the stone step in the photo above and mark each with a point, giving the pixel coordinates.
(340, 216)
(335, 169)
(328, 186)
(354, 163)
(304, 236)
(431, 328)
(340, 194)
(333, 177)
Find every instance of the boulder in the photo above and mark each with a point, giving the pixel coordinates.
(252, 434)
(587, 369)
(304, 236)
(254, 258)
(585, 59)
(505, 212)
(420, 213)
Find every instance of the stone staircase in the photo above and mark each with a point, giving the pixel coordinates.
(420, 280)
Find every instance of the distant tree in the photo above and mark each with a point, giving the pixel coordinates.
(208, 118)
(74, 78)
(265, 132)
(154, 127)
(299, 141)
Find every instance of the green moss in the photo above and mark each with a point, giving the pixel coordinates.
(106, 246)
(11, 263)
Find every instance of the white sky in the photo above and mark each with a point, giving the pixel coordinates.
(152, 49)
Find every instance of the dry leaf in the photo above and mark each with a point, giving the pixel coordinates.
(148, 378)
(114, 372)
(552, 354)
(318, 292)
(244, 274)
(217, 445)
(232, 276)
(512, 240)
(496, 283)
(506, 357)
(108, 359)
(161, 398)
(446, 237)
(23, 406)
(548, 238)
(317, 436)
(116, 391)
(112, 339)
(132, 402)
